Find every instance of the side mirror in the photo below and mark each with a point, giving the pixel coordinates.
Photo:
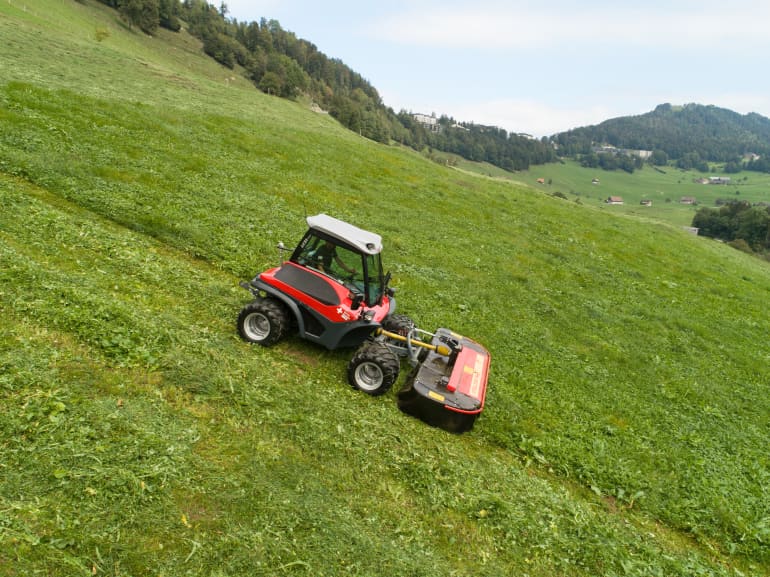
(390, 291)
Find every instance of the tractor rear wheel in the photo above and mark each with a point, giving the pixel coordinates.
(373, 369)
(263, 321)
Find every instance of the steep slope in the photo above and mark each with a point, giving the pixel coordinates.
(628, 410)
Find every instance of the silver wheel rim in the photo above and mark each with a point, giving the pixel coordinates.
(256, 326)
(369, 376)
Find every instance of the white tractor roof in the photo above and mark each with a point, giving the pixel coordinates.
(367, 242)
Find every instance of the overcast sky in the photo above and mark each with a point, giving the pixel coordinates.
(540, 67)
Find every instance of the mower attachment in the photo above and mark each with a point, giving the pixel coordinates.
(447, 387)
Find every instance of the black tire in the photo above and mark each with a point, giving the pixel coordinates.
(399, 324)
(373, 369)
(264, 321)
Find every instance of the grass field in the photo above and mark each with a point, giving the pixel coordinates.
(664, 187)
(628, 414)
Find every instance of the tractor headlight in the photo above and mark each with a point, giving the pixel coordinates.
(367, 316)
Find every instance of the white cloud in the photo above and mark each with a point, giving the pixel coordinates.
(540, 119)
(492, 26)
(530, 117)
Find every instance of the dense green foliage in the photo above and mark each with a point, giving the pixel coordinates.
(607, 161)
(479, 143)
(628, 410)
(691, 135)
(736, 221)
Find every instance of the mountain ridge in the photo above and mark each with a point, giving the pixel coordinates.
(712, 133)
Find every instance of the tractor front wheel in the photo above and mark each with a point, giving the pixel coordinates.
(263, 321)
(373, 369)
(399, 324)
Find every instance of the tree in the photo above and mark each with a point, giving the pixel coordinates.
(168, 15)
(141, 13)
(589, 160)
(752, 226)
(659, 158)
(271, 83)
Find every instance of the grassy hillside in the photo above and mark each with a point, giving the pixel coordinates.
(664, 187)
(628, 413)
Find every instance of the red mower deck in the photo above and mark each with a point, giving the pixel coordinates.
(448, 391)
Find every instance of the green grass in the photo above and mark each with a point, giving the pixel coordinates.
(664, 186)
(628, 413)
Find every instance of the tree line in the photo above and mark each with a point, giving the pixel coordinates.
(739, 223)
(281, 64)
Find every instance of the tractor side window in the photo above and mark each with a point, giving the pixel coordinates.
(329, 258)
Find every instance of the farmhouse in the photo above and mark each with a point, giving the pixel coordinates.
(614, 200)
(688, 200)
(645, 202)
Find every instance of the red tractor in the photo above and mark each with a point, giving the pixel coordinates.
(333, 291)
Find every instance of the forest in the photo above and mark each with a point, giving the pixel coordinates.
(692, 136)
(279, 63)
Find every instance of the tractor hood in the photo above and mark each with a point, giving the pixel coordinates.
(365, 241)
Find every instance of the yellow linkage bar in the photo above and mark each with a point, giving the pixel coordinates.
(440, 349)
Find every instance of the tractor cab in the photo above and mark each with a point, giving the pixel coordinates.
(332, 289)
(347, 254)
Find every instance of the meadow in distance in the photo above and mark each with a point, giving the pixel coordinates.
(628, 414)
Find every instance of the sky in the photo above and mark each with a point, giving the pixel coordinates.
(539, 67)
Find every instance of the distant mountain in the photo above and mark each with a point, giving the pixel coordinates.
(713, 134)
